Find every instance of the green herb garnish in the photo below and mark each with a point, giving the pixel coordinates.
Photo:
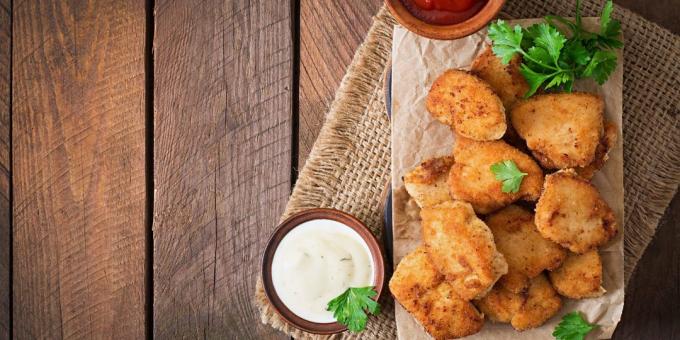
(350, 307)
(554, 59)
(507, 172)
(573, 327)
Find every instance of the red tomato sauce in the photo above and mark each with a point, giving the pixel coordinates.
(444, 12)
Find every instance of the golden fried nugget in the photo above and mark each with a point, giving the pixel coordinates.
(468, 105)
(525, 310)
(505, 80)
(462, 248)
(601, 153)
(472, 180)
(427, 182)
(526, 251)
(580, 276)
(542, 302)
(500, 305)
(422, 291)
(572, 213)
(562, 130)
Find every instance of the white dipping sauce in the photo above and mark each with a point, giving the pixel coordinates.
(317, 261)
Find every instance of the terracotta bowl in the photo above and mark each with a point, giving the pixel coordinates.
(444, 32)
(288, 225)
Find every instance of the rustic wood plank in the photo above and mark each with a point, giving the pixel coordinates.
(651, 310)
(222, 155)
(662, 12)
(330, 32)
(5, 228)
(79, 169)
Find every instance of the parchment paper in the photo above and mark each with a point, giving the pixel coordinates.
(416, 136)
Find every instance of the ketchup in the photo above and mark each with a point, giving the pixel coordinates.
(444, 12)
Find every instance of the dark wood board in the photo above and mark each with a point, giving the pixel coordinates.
(651, 309)
(222, 155)
(79, 169)
(5, 167)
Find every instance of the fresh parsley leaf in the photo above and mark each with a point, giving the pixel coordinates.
(550, 39)
(552, 59)
(606, 16)
(350, 307)
(609, 29)
(508, 172)
(601, 66)
(534, 79)
(506, 41)
(572, 327)
(575, 53)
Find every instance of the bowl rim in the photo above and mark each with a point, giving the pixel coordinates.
(444, 32)
(377, 256)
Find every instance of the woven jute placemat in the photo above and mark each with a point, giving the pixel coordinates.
(349, 166)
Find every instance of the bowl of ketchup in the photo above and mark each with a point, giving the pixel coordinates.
(444, 19)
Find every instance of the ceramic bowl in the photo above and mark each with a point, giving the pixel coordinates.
(289, 224)
(444, 32)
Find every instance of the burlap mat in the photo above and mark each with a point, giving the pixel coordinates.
(349, 166)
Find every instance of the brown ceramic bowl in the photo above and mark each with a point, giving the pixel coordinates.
(444, 32)
(288, 225)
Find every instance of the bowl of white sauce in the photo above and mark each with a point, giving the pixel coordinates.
(314, 256)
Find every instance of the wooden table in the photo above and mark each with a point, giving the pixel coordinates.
(148, 149)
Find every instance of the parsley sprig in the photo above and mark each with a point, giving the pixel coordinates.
(573, 327)
(350, 307)
(508, 172)
(555, 59)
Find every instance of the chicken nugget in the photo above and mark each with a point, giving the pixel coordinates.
(526, 251)
(601, 153)
(462, 248)
(422, 291)
(427, 182)
(580, 276)
(472, 180)
(505, 80)
(571, 213)
(500, 305)
(541, 304)
(562, 130)
(468, 105)
(524, 310)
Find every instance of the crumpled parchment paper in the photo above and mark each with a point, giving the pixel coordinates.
(416, 136)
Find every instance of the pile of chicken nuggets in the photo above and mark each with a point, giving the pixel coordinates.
(509, 257)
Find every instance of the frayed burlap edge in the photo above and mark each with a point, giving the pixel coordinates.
(651, 138)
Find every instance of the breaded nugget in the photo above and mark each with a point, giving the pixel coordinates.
(601, 153)
(500, 305)
(472, 180)
(524, 310)
(505, 80)
(541, 304)
(580, 276)
(562, 130)
(462, 248)
(468, 105)
(427, 182)
(572, 213)
(422, 291)
(526, 251)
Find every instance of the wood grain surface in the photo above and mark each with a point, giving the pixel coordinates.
(330, 32)
(651, 310)
(78, 154)
(222, 155)
(5, 167)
